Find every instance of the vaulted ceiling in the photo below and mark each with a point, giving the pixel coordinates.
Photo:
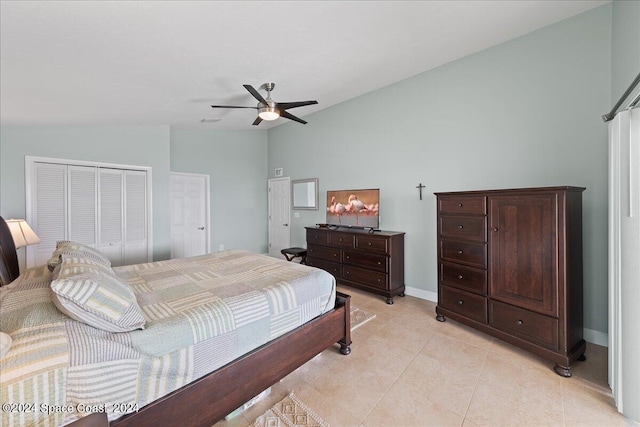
(165, 62)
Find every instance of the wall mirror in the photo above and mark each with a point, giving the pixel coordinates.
(305, 193)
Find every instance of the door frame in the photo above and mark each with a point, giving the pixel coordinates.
(207, 204)
(287, 179)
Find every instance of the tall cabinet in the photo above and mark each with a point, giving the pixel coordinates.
(510, 265)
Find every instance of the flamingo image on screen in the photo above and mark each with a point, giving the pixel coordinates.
(353, 208)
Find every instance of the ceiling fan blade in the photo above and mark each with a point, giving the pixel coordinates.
(291, 117)
(257, 121)
(255, 94)
(231, 106)
(287, 105)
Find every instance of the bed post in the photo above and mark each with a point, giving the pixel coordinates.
(345, 342)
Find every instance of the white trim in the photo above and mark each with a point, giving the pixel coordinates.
(596, 337)
(421, 293)
(29, 170)
(207, 203)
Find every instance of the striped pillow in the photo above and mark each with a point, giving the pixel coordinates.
(77, 249)
(95, 296)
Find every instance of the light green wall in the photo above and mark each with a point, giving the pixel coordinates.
(237, 164)
(625, 48)
(139, 146)
(522, 114)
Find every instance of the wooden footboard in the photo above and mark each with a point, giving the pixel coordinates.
(210, 398)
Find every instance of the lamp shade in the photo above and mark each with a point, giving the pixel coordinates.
(22, 234)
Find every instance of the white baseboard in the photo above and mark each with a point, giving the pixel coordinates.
(590, 335)
(596, 337)
(421, 293)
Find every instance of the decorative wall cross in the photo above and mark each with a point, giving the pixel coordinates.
(420, 187)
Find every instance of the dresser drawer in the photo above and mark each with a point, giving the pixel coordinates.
(462, 205)
(473, 254)
(371, 243)
(524, 323)
(365, 260)
(332, 267)
(467, 278)
(340, 239)
(323, 252)
(465, 303)
(464, 227)
(366, 277)
(317, 236)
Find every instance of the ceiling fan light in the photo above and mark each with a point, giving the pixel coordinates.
(268, 113)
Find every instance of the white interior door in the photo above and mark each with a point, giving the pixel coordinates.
(190, 218)
(624, 261)
(279, 215)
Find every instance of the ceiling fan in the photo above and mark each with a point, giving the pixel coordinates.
(267, 108)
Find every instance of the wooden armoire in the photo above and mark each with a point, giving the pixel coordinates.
(510, 265)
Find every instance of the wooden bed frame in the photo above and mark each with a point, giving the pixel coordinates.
(210, 398)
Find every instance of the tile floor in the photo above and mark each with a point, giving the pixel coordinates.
(407, 369)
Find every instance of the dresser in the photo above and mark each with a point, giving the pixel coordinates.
(510, 265)
(373, 262)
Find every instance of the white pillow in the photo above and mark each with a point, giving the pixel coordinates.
(96, 297)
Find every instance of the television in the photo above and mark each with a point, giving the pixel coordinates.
(353, 208)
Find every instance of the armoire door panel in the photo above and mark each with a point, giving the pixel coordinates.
(523, 251)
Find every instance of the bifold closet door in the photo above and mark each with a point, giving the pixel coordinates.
(111, 214)
(105, 208)
(49, 210)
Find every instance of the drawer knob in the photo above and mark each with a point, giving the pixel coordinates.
(379, 262)
(348, 272)
(369, 243)
(379, 280)
(459, 205)
(495, 228)
(519, 322)
(335, 254)
(460, 252)
(460, 276)
(341, 239)
(460, 302)
(460, 226)
(347, 256)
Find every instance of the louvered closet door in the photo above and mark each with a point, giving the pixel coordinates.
(82, 201)
(111, 214)
(49, 210)
(135, 226)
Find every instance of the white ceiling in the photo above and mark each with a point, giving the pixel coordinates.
(166, 62)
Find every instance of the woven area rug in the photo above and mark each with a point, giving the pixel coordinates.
(290, 412)
(359, 317)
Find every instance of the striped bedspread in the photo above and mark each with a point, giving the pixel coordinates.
(201, 313)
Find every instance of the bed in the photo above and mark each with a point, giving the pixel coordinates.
(192, 369)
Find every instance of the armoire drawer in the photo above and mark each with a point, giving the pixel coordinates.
(366, 277)
(467, 278)
(324, 252)
(524, 323)
(463, 205)
(464, 227)
(371, 243)
(340, 239)
(465, 303)
(365, 260)
(473, 254)
(334, 268)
